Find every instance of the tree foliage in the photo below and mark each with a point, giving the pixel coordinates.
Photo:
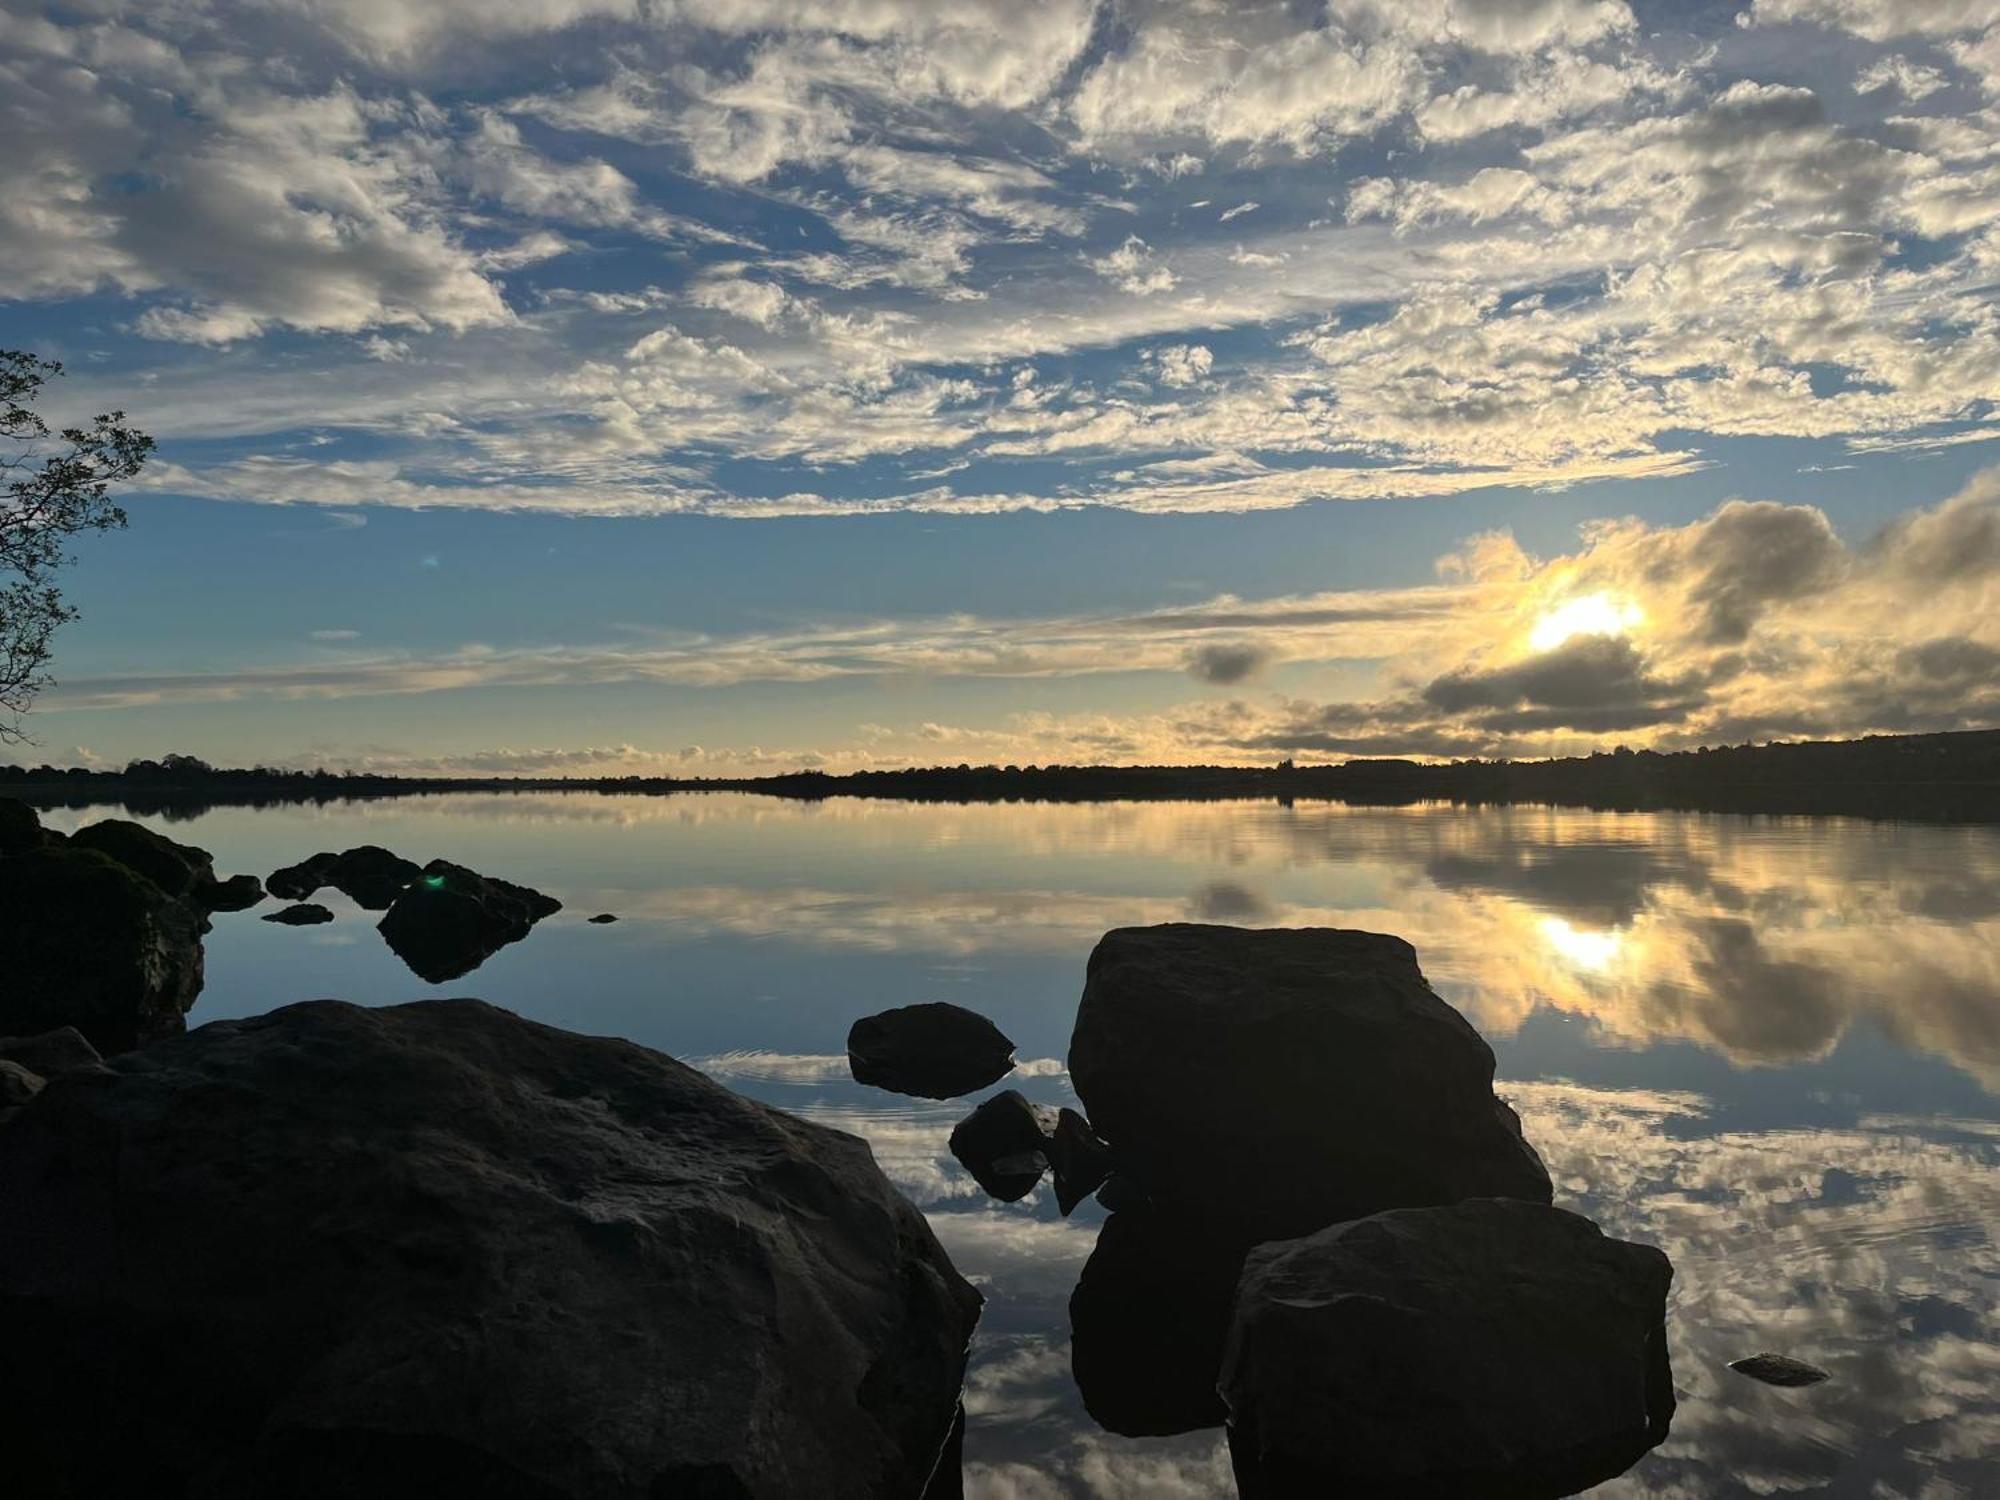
(57, 485)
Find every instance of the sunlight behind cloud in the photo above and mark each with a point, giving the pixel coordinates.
(1595, 951)
(1593, 614)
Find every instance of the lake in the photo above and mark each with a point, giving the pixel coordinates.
(1768, 1045)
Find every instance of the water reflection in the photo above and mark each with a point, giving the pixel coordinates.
(1769, 1045)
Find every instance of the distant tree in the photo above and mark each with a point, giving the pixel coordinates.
(56, 487)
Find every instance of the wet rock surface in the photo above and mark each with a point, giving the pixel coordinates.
(1493, 1347)
(931, 1051)
(1279, 1080)
(1004, 1144)
(304, 914)
(436, 1248)
(450, 920)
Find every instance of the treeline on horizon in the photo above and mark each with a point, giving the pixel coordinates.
(1932, 775)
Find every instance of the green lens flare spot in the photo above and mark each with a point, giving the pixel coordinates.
(435, 882)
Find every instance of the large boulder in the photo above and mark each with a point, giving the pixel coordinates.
(439, 1249)
(178, 869)
(1280, 1080)
(450, 920)
(91, 943)
(369, 875)
(933, 1051)
(1494, 1347)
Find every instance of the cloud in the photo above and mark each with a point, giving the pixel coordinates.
(336, 635)
(1224, 664)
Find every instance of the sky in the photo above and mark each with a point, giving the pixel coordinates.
(697, 387)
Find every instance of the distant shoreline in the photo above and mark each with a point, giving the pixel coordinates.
(1951, 777)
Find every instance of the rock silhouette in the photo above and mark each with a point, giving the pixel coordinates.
(1772, 1369)
(450, 920)
(305, 914)
(1280, 1080)
(1493, 1347)
(438, 1249)
(932, 1051)
(237, 893)
(1004, 1144)
(51, 1054)
(603, 917)
(1078, 1158)
(368, 875)
(178, 869)
(91, 943)
(21, 828)
(1148, 1320)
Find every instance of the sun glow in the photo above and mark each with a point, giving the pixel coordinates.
(1587, 950)
(1590, 614)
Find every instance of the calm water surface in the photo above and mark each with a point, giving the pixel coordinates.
(1769, 1045)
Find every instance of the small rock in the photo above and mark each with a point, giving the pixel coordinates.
(237, 893)
(305, 914)
(1081, 1160)
(368, 875)
(604, 916)
(1004, 1144)
(931, 1051)
(51, 1053)
(1779, 1369)
(1492, 1347)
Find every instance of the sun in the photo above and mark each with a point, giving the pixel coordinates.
(1589, 614)
(1596, 951)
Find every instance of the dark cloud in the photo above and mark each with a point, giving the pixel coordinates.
(1227, 662)
(1750, 554)
(1953, 543)
(1589, 681)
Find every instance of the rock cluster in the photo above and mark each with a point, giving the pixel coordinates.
(370, 876)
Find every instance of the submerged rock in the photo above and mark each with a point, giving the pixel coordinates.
(1285, 1079)
(1779, 1369)
(305, 914)
(1148, 1320)
(91, 943)
(1078, 1157)
(438, 1249)
(1004, 1144)
(450, 920)
(933, 1051)
(368, 875)
(1494, 1348)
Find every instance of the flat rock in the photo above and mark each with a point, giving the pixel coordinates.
(450, 920)
(1281, 1080)
(1779, 1369)
(1004, 1144)
(1494, 1348)
(932, 1051)
(436, 1249)
(304, 914)
(91, 943)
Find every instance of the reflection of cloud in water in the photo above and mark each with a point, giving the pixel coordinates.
(1868, 1252)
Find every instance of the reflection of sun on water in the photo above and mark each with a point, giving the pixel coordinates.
(1592, 614)
(1587, 950)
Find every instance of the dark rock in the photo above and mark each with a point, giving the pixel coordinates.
(296, 882)
(1281, 1080)
(178, 869)
(305, 914)
(1078, 1158)
(1004, 1144)
(451, 920)
(1120, 1194)
(51, 1053)
(1494, 1348)
(237, 893)
(1148, 1320)
(90, 943)
(934, 1051)
(1779, 1369)
(17, 1084)
(20, 828)
(370, 876)
(602, 917)
(436, 1249)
